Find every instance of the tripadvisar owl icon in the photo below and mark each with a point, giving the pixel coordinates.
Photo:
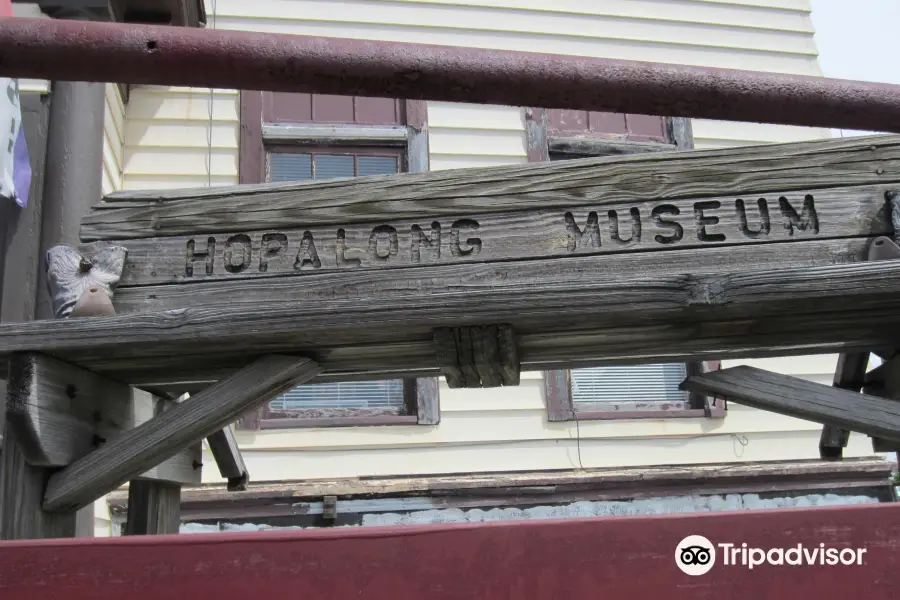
(83, 287)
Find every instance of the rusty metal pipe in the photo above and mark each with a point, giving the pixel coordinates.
(145, 54)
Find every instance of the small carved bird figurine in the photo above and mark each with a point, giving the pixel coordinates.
(82, 287)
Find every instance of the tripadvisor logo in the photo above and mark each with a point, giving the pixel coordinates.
(696, 555)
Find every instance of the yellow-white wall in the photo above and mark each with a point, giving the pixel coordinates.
(113, 139)
(167, 144)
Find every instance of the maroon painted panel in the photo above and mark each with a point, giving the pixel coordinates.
(646, 125)
(574, 121)
(376, 111)
(280, 107)
(332, 109)
(605, 122)
(577, 559)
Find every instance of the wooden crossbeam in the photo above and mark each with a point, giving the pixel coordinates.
(849, 375)
(227, 455)
(786, 311)
(203, 414)
(601, 182)
(794, 397)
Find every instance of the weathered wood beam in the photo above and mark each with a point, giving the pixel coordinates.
(601, 147)
(888, 387)
(227, 455)
(794, 397)
(705, 305)
(599, 181)
(617, 345)
(185, 467)
(388, 244)
(157, 502)
(477, 357)
(471, 276)
(849, 375)
(153, 508)
(148, 444)
(61, 412)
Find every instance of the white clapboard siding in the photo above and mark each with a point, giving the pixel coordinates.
(527, 455)
(505, 429)
(168, 144)
(113, 139)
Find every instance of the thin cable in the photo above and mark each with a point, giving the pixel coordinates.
(209, 131)
(578, 438)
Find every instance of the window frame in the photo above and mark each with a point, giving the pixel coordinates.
(409, 141)
(542, 141)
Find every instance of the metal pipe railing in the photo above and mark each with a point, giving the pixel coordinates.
(146, 54)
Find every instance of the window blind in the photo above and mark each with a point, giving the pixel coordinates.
(293, 166)
(633, 383)
(350, 394)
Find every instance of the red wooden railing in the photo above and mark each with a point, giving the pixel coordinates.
(628, 558)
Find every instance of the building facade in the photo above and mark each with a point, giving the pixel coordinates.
(615, 417)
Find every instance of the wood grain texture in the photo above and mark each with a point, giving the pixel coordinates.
(61, 412)
(889, 380)
(576, 146)
(141, 448)
(526, 235)
(465, 278)
(550, 305)
(578, 347)
(428, 401)
(227, 454)
(154, 508)
(21, 493)
(849, 374)
(621, 479)
(595, 181)
(558, 395)
(794, 397)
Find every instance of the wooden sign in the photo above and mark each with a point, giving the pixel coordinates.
(640, 258)
(524, 235)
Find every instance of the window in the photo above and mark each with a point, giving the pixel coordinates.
(626, 391)
(294, 137)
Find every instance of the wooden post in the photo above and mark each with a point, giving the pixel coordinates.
(154, 507)
(22, 484)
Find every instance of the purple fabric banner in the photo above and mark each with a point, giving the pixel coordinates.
(21, 169)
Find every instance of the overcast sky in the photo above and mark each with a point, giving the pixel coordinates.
(857, 39)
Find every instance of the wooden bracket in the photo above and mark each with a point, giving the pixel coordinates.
(163, 436)
(228, 458)
(795, 397)
(479, 356)
(885, 381)
(60, 413)
(850, 373)
(329, 507)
